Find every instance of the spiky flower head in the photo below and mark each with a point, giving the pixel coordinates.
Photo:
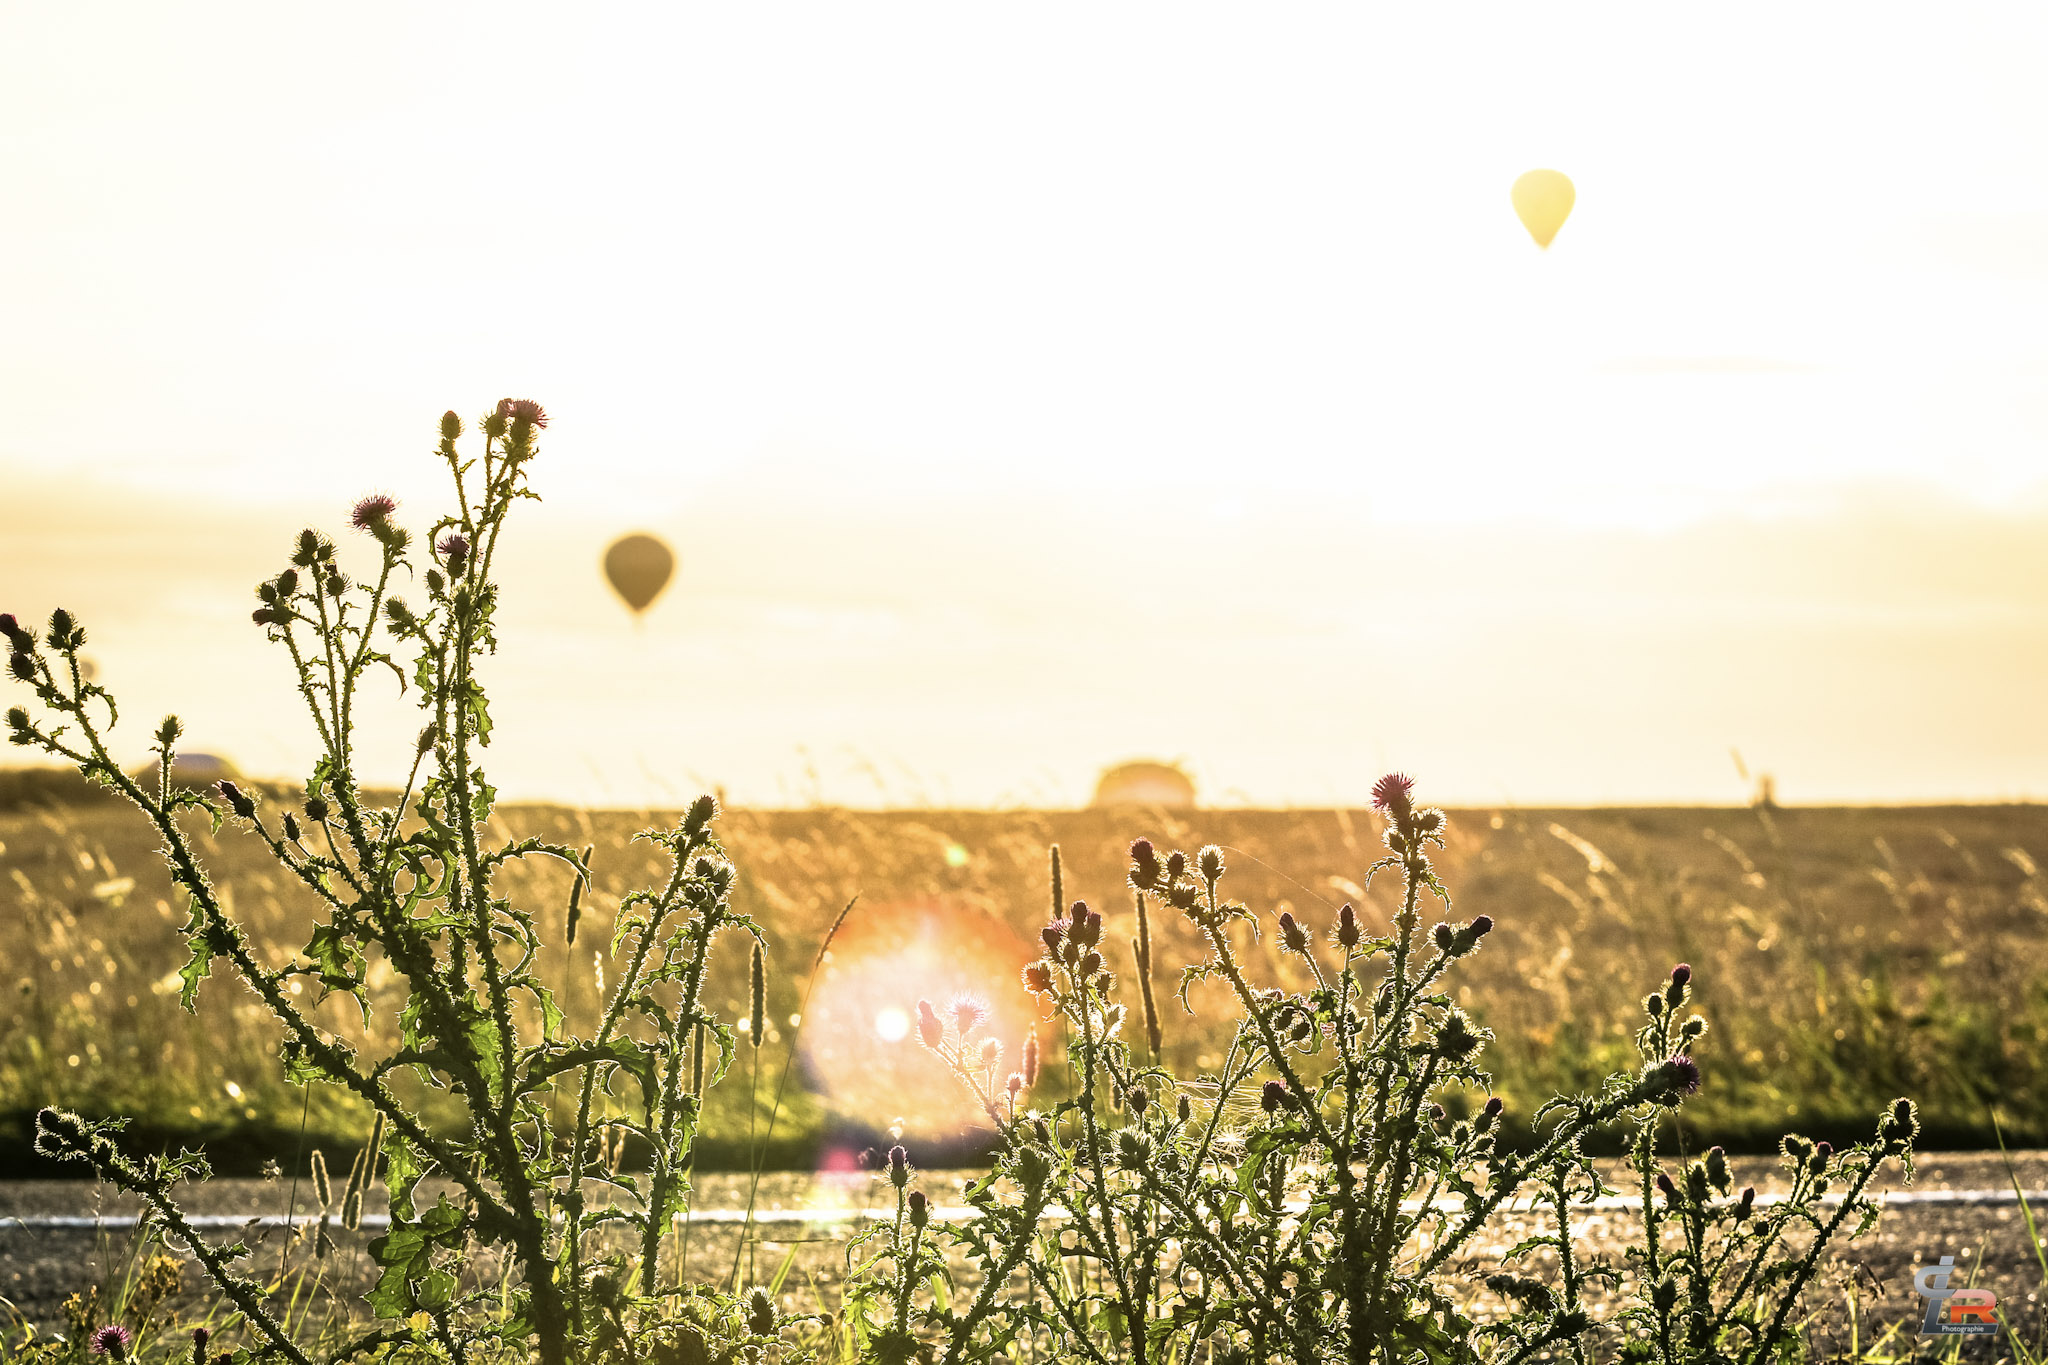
(454, 547)
(760, 1313)
(1394, 795)
(1144, 865)
(112, 1340)
(1347, 926)
(1274, 1096)
(899, 1167)
(991, 1052)
(523, 410)
(968, 1013)
(372, 512)
(1679, 1076)
(1038, 978)
(1292, 934)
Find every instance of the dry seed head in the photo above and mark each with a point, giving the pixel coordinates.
(758, 980)
(1031, 1060)
(323, 1190)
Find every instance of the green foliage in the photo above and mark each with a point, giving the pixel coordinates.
(413, 885)
(1155, 1217)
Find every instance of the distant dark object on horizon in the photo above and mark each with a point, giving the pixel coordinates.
(191, 770)
(1145, 783)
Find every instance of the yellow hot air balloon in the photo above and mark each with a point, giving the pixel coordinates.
(638, 567)
(1543, 200)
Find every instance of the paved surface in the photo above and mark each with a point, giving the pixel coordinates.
(1960, 1205)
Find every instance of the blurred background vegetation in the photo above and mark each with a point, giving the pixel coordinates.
(1844, 956)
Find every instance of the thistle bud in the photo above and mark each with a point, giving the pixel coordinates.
(337, 583)
(991, 1052)
(1745, 1205)
(435, 582)
(700, 815)
(1038, 978)
(1292, 934)
(1089, 965)
(1274, 1096)
(1821, 1152)
(899, 1167)
(1031, 1060)
(1455, 1038)
(240, 804)
(17, 721)
(451, 426)
(1138, 1099)
(23, 641)
(1347, 926)
(1696, 1183)
(494, 423)
(1681, 975)
(1429, 822)
(1176, 865)
(1185, 1109)
(757, 980)
(920, 1209)
(760, 1308)
(316, 809)
(1042, 1131)
(1144, 865)
(308, 552)
(22, 666)
(1666, 1188)
(1717, 1168)
(170, 730)
(200, 1336)
(1443, 938)
(291, 827)
(931, 1030)
(1015, 1085)
(430, 735)
(63, 630)
(1210, 863)
(1490, 1115)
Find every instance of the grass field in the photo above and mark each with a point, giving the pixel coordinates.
(1844, 956)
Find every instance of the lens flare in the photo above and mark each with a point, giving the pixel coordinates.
(859, 1033)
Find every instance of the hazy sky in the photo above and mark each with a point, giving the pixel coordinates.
(1031, 389)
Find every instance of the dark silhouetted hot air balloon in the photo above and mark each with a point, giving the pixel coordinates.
(638, 566)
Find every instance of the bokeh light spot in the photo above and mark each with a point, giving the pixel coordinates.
(892, 1025)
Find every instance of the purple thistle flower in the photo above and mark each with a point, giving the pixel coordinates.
(112, 1341)
(454, 547)
(372, 511)
(1681, 974)
(531, 411)
(1684, 1073)
(1393, 794)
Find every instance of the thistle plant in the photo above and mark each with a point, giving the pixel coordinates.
(415, 885)
(1315, 1198)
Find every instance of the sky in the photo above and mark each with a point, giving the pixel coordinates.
(1029, 391)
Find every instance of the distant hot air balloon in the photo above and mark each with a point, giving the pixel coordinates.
(639, 567)
(1543, 200)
